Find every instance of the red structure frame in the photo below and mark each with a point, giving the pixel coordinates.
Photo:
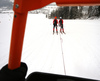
(21, 8)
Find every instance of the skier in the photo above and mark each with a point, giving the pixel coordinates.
(55, 22)
(61, 25)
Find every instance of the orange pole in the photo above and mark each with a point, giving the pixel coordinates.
(17, 37)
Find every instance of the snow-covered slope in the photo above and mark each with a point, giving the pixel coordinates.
(5, 35)
(75, 53)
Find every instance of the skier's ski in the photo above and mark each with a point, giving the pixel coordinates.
(54, 33)
(64, 33)
(57, 32)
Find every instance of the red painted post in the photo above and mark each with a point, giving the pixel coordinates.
(17, 37)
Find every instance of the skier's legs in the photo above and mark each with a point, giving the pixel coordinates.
(56, 29)
(62, 28)
(53, 28)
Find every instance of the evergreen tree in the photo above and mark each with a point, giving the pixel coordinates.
(65, 13)
(89, 11)
(61, 12)
(74, 13)
(98, 9)
(80, 12)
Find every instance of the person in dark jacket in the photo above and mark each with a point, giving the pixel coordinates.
(55, 22)
(61, 25)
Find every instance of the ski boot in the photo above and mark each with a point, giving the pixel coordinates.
(53, 32)
(57, 32)
(64, 32)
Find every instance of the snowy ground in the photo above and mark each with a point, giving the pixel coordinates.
(75, 53)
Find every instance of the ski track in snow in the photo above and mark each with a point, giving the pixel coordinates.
(42, 51)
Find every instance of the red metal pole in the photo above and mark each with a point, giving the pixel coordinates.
(17, 37)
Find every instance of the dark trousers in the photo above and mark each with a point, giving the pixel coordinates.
(55, 25)
(61, 29)
(61, 25)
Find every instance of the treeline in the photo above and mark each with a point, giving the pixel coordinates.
(76, 12)
(6, 3)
